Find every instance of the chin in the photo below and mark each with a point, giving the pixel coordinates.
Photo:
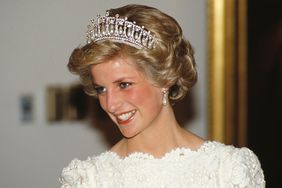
(128, 135)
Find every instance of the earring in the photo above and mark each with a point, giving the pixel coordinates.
(165, 97)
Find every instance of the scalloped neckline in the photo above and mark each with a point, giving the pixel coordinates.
(181, 151)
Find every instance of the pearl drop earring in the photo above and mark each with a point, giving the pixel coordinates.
(165, 97)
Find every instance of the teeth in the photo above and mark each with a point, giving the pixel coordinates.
(126, 116)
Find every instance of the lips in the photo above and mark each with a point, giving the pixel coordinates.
(125, 117)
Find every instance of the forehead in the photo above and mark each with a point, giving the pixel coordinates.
(115, 63)
(115, 68)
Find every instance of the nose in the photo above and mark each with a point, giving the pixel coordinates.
(113, 101)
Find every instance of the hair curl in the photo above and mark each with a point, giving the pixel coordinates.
(170, 64)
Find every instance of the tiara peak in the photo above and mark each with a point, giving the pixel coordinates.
(119, 30)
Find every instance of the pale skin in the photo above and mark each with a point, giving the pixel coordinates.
(135, 105)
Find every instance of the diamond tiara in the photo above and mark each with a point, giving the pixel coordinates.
(119, 30)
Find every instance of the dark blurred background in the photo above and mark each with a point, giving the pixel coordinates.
(265, 86)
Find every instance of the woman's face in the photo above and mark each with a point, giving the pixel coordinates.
(130, 100)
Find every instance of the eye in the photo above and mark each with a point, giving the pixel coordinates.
(99, 90)
(124, 85)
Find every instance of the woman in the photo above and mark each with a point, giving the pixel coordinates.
(137, 73)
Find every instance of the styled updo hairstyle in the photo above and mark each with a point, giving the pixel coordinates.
(169, 64)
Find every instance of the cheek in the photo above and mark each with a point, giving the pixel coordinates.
(144, 97)
(136, 96)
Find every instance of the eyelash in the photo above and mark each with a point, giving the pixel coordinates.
(99, 90)
(122, 85)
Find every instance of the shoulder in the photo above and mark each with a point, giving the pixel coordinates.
(239, 166)
(87, 173)
(78, 174)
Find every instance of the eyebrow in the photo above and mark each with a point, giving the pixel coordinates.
(122, 79)
(119, 80)
(96, 85)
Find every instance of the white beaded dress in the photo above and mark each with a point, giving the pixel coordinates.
(213, 165)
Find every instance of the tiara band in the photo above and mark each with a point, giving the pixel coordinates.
(119, 30)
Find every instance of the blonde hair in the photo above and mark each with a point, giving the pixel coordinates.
(170, 64)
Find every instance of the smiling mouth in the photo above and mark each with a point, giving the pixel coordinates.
(122, 118)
